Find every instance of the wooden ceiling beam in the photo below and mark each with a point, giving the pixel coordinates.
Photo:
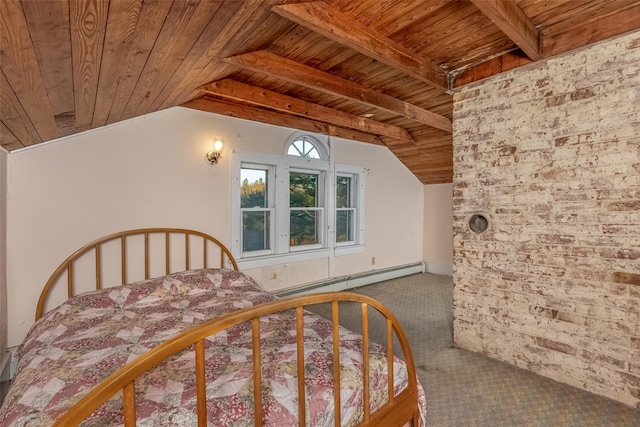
(274, 118)
(512, 21)
(623, 21)
(496, 65)
(294, 72)
(260, 97)
(318, 16)
(613, 25)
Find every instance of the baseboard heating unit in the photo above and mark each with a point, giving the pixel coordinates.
(355, 280)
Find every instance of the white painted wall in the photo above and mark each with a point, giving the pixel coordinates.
(393, 210)
(3, 254)
(151, 172)
(438, 229)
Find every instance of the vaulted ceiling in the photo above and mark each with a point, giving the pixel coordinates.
(377, 71)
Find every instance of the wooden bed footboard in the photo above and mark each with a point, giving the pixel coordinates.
(190, 242)
(398, 410)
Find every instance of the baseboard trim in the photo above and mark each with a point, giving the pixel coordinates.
(438, 268)
(353, 281)
(9, 364)
(5, 367)
(5, 376)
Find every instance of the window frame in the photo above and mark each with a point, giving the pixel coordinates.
(270, 207)
(357, 175)
(281, 251)
(320, 143)
(352, 191)
(321, 203)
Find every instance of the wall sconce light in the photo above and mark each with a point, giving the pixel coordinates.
(213, 156)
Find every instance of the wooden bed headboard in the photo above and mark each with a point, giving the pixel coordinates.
(189, 236)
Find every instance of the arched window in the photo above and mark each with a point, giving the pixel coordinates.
(307, 146)
(314, 208)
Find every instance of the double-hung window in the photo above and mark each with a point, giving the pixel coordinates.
(306, 211)
(349, 208)
(345, 210)
(295, 206)
(256, 209)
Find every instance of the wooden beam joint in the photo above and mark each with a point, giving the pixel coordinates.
(324, 19)
(512, 21)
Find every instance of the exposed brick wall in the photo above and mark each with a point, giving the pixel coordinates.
(551, 153)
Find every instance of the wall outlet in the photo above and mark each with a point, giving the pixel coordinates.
(373, 260)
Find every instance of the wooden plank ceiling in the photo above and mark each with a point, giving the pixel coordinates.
(381, 72)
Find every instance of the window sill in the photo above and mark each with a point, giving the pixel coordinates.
(349, 250)
(265, 261)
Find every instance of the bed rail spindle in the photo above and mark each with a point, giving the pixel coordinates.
(302, 403)
(123, 252)
(186, 251)
(201, 384)
(166, 252)
(390, 360)
(129, 403)
(257, 371)
(336, 361)
(204, 252)
(70, 279)
(146, 256)
(365, 360)
(98, 267)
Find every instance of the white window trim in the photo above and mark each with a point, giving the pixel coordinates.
(359, 174)
(237, 160)
(321, 142)
(281, 253)
(271, 176)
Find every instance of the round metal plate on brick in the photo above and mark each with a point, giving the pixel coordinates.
(478, 223)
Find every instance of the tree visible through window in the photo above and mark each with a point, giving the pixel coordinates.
(345, 209)
(254, 205)
(304, 216)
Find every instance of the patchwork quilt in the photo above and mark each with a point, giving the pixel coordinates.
(73, 347)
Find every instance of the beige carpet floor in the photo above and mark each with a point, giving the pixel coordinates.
(466, 389)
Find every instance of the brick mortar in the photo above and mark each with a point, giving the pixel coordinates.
(551, 154)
